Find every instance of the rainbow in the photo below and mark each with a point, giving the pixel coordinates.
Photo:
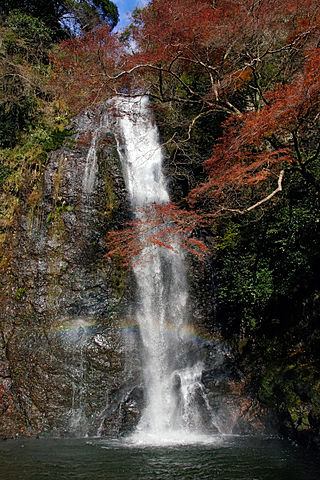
(128, 326)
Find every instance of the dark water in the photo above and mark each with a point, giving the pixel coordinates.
(234, 458)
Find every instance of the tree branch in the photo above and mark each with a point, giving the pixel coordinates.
(265, 199)
(302, 166)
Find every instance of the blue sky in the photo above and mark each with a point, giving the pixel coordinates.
(125, 7)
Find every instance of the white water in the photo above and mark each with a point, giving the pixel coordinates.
(91, 166)
(176, 408)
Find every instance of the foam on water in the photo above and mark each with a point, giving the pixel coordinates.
(171, 438)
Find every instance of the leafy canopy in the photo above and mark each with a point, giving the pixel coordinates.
(65, 17)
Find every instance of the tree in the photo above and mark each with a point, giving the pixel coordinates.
(28, 29)
(249, 64)
(255, 145)
(159, 225)
(65, 16)
(84, 67)
(23, 65)
(257, 58)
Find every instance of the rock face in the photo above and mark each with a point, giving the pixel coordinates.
(226, 386)
(69, 362)
(62, 360)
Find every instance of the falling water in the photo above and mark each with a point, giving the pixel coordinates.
(76, 339)
(175, 404)
(91, 166)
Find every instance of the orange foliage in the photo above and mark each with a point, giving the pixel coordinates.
(166, 226)
(223, 39)
(84, 67)
(257, 144)
(259, 62)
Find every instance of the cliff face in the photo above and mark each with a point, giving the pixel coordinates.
(69, 362)
(69, 351)
(62, 350)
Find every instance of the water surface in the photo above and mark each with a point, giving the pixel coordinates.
(227, 458)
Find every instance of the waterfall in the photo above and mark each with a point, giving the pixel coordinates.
(175, 403)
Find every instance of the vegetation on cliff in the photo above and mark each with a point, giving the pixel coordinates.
(33, 122)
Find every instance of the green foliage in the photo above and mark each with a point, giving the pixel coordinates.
(20, 292)
(21, 172)
(128, 32)
(4, 173)
(228, 237)
(47, 11)
(58, 211)
(268, 300)
(23, 67)
(55, 138)
(16, 117)
(269, 264)
(64, 17)
(27, 35)
(31, 124)
(251, 282)
(109, 10)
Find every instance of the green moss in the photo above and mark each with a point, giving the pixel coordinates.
(55, 138)
(58, 210)
(111, 202)
(20, 293)
(118, 282)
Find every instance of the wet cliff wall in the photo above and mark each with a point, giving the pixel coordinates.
(69, 356)
(69, 347)
(62, 349)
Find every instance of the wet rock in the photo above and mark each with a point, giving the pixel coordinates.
(65, 366)
(62, 351)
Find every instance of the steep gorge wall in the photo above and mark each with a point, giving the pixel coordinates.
(66, 368)
(62, 349)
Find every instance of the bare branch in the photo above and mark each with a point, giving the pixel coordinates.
(265, 199)
(272, 194)
(191, 125)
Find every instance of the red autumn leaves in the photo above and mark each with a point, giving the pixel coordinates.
(259, 62)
